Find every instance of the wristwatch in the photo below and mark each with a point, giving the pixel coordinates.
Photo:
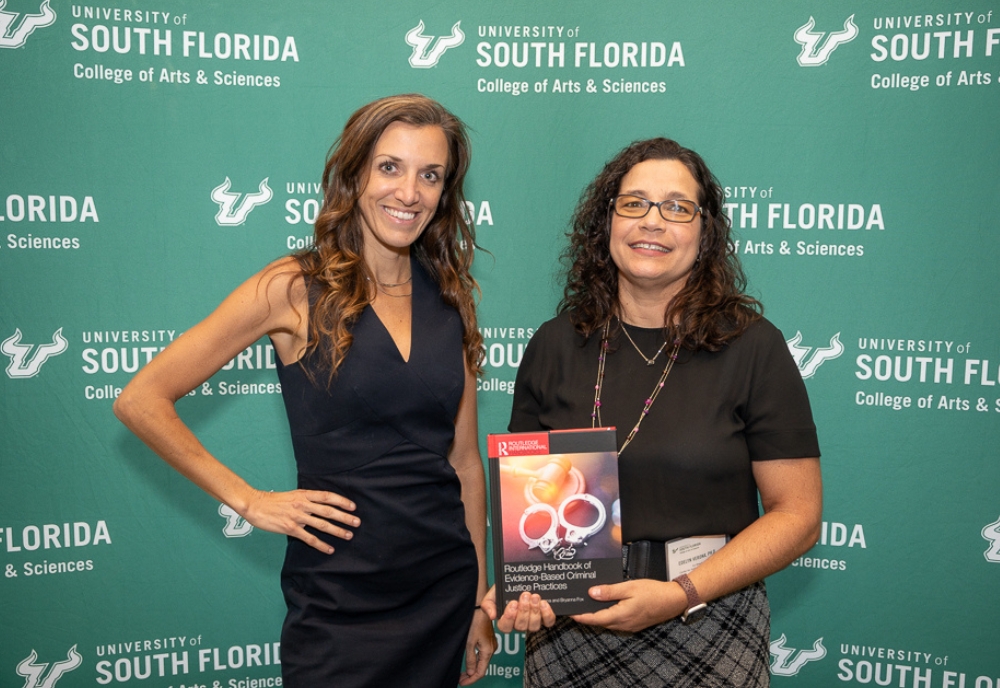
(696, 608)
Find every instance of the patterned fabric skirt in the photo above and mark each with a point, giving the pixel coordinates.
(728, 647)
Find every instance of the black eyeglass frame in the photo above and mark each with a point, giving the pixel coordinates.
(659, 207)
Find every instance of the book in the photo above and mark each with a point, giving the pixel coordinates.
(555, 516)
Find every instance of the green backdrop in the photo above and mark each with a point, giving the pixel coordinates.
(153, 155)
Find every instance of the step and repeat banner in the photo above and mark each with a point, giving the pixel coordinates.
(155, 154)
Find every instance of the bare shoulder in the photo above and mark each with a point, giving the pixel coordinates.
(280, 288)
(282, 279)
(271, 302)
(275, 294)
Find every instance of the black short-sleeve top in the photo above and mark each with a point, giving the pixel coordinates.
(688, 470)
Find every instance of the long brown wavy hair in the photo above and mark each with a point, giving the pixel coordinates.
(335, 265)
(710, 310)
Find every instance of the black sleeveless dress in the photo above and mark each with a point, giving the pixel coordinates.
(393, 605)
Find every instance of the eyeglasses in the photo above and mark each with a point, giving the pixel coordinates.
(671, 210)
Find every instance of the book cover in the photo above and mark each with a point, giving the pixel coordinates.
(555, 516)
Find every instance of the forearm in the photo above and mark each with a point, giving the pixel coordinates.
(792, 496)
(156, 423)
(297, 513)
(768, 545)
(791, 492)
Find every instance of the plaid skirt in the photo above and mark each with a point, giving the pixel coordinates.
(728, 647)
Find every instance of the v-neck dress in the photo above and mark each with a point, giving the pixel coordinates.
(393, 605)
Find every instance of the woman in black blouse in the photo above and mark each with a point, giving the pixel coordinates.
(655, 337)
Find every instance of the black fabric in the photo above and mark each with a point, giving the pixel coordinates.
(392, 606)
(688, 471)
(645, 559)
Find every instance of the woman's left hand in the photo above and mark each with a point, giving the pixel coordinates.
(641, 604)
(479, 648)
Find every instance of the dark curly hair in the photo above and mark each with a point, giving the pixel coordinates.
(710, 310)
(335, 263)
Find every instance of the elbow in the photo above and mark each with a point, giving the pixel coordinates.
(811, 512)
(812, 537)
(124, 407)
(811, 531)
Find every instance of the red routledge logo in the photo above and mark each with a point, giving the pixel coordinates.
(520, 444)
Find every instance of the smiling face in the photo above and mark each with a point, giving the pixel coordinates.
(654, 257)
(405, 182)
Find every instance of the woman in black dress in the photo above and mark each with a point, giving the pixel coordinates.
(656, 337)
(375, 333)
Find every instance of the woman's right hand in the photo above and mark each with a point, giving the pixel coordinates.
(527, 613)
(290, 512)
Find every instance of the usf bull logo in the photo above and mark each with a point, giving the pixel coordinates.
(425, 56)
(816, 50)
(15, 27)
(992, 534)
(234, 207)
(809, 364)
(44, 676)
(788, 661)
(236, 526)
(24, 363)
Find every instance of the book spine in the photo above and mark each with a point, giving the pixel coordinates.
(496, 532)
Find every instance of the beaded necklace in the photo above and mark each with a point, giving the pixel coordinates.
(595, 417)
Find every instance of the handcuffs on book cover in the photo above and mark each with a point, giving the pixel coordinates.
(562, 547)
(557, 481)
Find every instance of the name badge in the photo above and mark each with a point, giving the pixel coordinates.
(684, 555)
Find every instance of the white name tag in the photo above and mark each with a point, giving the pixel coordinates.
(684, 555)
